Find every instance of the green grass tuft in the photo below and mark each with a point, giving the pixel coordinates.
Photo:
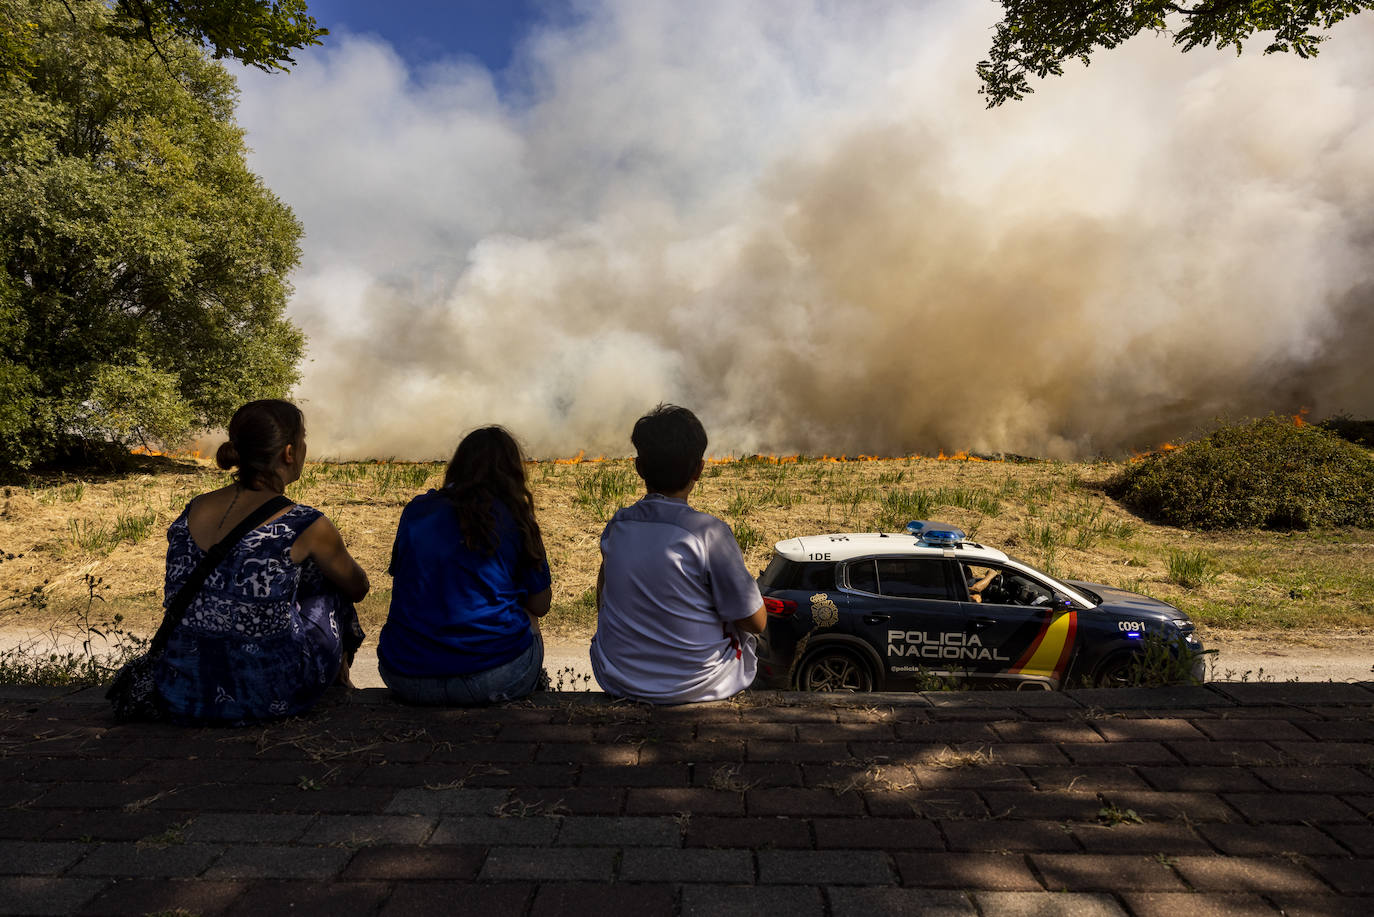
(1190, 569)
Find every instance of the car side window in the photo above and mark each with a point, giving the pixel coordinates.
(863, 576)
(788, 574)
(817, 576)
(913, 578)
(993, 585)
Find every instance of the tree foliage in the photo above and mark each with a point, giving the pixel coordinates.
(259, 33)
(142, 265)
(1039, 36)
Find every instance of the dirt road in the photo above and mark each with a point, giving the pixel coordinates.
(1241, 656)
(1270, 656)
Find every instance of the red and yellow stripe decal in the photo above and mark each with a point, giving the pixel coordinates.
(1049, 651)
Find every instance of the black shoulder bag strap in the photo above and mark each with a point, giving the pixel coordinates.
(176, 608)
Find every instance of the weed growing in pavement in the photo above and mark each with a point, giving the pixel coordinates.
(727, 778)
(1111, 816)
(1190, 569)
(172, 837)
(518, 808)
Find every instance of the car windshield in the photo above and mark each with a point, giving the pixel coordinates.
(1014, 583)
(1044, 579)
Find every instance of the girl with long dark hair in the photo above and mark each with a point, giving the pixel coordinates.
(470, 583)
(273, 625)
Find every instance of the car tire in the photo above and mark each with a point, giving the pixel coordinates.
(1117, 672)
(834, 670)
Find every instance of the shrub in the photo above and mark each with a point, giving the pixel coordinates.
(1269, 472)
(1348, 428)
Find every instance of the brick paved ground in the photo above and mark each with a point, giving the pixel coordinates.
(1225, 799)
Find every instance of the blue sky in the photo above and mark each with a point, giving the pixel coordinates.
(423, 31)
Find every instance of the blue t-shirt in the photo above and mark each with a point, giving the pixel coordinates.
(455, 611)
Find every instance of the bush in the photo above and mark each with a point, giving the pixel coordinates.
(1360, 432)
(1269, 472)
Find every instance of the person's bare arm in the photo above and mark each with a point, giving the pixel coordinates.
(600, 583)
(322, 542)
(755, 623)
(537, 605)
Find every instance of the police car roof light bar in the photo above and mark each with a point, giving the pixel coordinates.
(936, 533)
(942, 537)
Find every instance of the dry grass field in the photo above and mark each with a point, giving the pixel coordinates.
(63, 540)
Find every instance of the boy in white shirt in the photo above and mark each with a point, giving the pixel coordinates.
(677, 608)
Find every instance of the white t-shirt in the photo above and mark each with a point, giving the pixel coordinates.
(674, 584)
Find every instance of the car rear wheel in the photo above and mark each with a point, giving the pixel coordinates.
(835, 670)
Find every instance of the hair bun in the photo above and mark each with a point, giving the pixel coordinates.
(227, 456)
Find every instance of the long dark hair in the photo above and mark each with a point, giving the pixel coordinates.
(258, 432)
(486, 467)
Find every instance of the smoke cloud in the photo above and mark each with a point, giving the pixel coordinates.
(799, 220)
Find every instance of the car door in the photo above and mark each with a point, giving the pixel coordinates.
(1020, 631)
(907, 609)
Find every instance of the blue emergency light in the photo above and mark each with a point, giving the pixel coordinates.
(936, 534)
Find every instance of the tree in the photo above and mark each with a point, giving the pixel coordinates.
(142, 265)
(1038, 36)
(259, 33)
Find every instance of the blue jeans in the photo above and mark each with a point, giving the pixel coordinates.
(509, 681)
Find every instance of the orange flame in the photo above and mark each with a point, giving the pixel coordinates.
(961, 456)
(579, 459)
(1300, 418)
(175, 453)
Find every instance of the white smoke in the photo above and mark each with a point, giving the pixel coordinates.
(799, 220)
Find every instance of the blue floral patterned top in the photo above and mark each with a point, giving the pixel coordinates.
(262, 639)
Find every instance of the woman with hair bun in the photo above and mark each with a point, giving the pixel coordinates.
(273, 624)
(470, 583)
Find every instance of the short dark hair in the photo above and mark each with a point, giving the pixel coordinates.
(669, 444)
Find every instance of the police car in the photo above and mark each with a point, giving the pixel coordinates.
(865, 612)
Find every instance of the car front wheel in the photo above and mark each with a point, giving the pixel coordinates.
(835, 670)
(1118, 672)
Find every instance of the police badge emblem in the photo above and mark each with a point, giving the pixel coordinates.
(823, 611)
